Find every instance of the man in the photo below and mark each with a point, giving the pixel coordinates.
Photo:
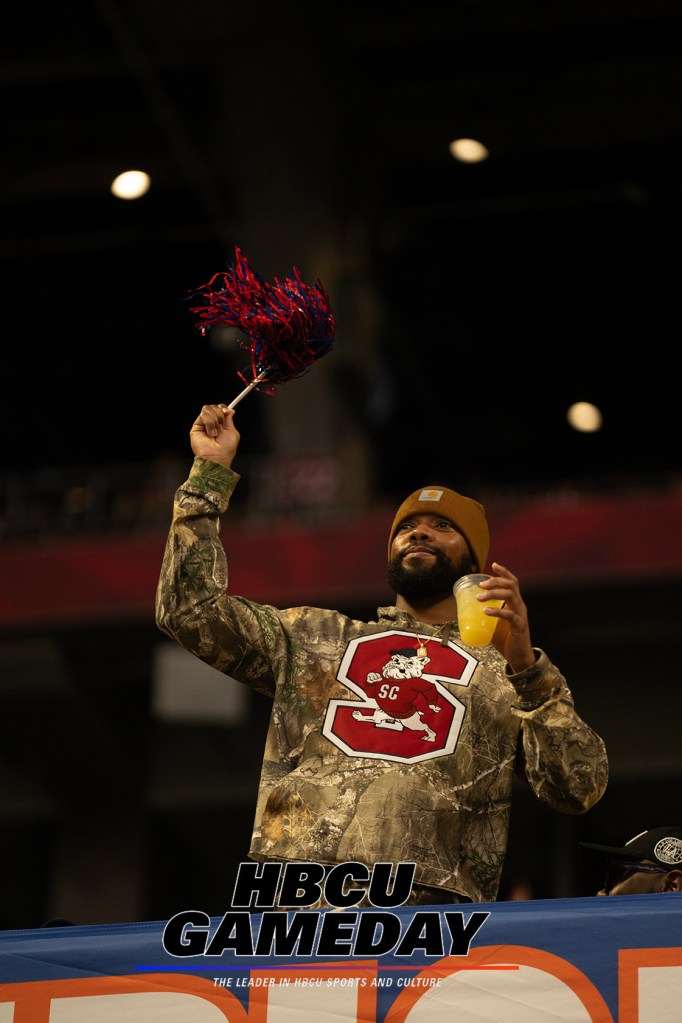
(649, 862)
(390, 741)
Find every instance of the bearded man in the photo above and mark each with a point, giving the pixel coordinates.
(343, 779)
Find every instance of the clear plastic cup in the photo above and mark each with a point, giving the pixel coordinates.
(475, 627)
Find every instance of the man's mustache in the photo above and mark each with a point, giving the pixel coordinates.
(420, 547)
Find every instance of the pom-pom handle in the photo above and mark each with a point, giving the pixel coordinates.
(242, 394)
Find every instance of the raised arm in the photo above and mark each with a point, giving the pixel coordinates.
(192, 604)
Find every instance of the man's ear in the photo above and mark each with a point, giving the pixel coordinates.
(672, 882)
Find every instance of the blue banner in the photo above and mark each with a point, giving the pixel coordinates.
(589, 960)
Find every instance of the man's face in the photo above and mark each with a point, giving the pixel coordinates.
(428, 555)
(635, 878)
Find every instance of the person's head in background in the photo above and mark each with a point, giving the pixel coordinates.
(649, 862)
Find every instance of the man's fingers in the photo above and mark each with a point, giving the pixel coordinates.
(502, 586)
(501, 592)
(214, 418)
(503, 570)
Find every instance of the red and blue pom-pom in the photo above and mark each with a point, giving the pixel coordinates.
(289, 324)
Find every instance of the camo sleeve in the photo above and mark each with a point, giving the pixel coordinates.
(231, 634)
(561, 757)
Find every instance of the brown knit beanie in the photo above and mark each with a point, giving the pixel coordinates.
(466, 515)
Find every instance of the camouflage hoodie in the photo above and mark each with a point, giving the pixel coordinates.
(377, 751)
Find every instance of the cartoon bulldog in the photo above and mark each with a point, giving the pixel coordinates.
(396, 697)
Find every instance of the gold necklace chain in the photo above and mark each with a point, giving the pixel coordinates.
(421, 649)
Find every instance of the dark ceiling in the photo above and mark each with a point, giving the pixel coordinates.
(547, 274)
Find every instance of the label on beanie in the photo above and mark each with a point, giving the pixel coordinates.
(430, 495)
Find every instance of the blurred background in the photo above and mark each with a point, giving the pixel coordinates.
(491, 194)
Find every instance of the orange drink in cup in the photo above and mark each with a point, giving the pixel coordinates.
(475, 627)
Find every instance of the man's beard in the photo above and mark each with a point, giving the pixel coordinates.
(432, 580)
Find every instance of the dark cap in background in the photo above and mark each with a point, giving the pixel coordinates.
(660, 845)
